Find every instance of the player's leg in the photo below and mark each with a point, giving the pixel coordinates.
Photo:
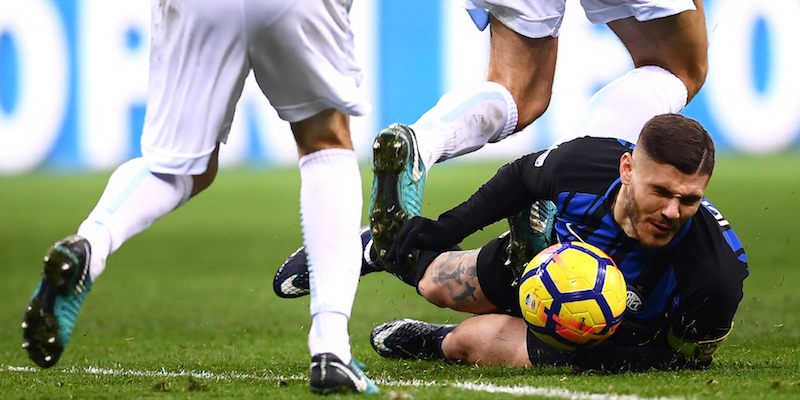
(488, 339)
(462, 121)
(330, 208)
(657, 85)
(451, 281)
(314, 88)
(677, 43)
(293, 278)
(621, 108)
(525, 66)
(180, 160)
(475, 281)
(520, 79)
(518, 90)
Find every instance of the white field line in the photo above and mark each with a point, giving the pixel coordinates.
(553, 392)
(477, 387)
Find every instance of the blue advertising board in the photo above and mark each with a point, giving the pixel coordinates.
(73, 79)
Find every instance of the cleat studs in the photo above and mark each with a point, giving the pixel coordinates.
(51, 340)
(25, 344)
(48, 358)
(24, 325)
(65, 267)
(30, 308)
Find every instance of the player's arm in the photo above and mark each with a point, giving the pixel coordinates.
(710, 268)
(506, 193)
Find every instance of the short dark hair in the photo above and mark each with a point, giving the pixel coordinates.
(678, 141)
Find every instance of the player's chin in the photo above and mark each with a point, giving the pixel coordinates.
(657, 238)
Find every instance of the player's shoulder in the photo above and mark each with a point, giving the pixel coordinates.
(597, 144)
(583, 150)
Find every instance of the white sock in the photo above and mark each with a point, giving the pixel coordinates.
(328, 334)
(464, 120)
(134, 198)
(621, 108)
(330, 208)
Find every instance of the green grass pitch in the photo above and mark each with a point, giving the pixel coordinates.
(186, 310)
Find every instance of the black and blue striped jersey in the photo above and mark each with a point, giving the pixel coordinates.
(582, 178)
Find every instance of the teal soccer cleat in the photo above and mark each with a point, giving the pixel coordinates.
(397, 187)
(532, 231)
(54, 306)
(330, 375)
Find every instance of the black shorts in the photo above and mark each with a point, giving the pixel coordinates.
(496, 279)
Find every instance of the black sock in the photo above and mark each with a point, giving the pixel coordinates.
(437, 340)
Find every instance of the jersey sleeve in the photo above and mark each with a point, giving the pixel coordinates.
(583, 164)
(504, 194)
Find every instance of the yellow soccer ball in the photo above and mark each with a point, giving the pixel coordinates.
(572, 295)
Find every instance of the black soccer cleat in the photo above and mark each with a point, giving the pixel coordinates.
(408, 338)
(330, 375)
(292, 279)
(54, 306)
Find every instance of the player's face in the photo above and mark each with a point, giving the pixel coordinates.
(660, 200)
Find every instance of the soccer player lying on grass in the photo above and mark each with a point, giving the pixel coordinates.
(643, 207)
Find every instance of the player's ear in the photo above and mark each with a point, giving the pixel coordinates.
(626, 168)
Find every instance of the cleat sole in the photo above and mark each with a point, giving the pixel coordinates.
(387, 217)
(40, 333)
(63, 275)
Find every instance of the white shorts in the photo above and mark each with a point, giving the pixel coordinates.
(201, 51)
(542, 18)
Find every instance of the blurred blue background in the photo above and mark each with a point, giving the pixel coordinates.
(73, 79)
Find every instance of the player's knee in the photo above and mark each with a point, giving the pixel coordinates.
(203, 181)
(455, 348)
(329, 129)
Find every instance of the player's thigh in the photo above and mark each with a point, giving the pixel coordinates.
(197, 70)
(304, 62)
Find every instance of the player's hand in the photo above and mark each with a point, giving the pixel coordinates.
(420, 233)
